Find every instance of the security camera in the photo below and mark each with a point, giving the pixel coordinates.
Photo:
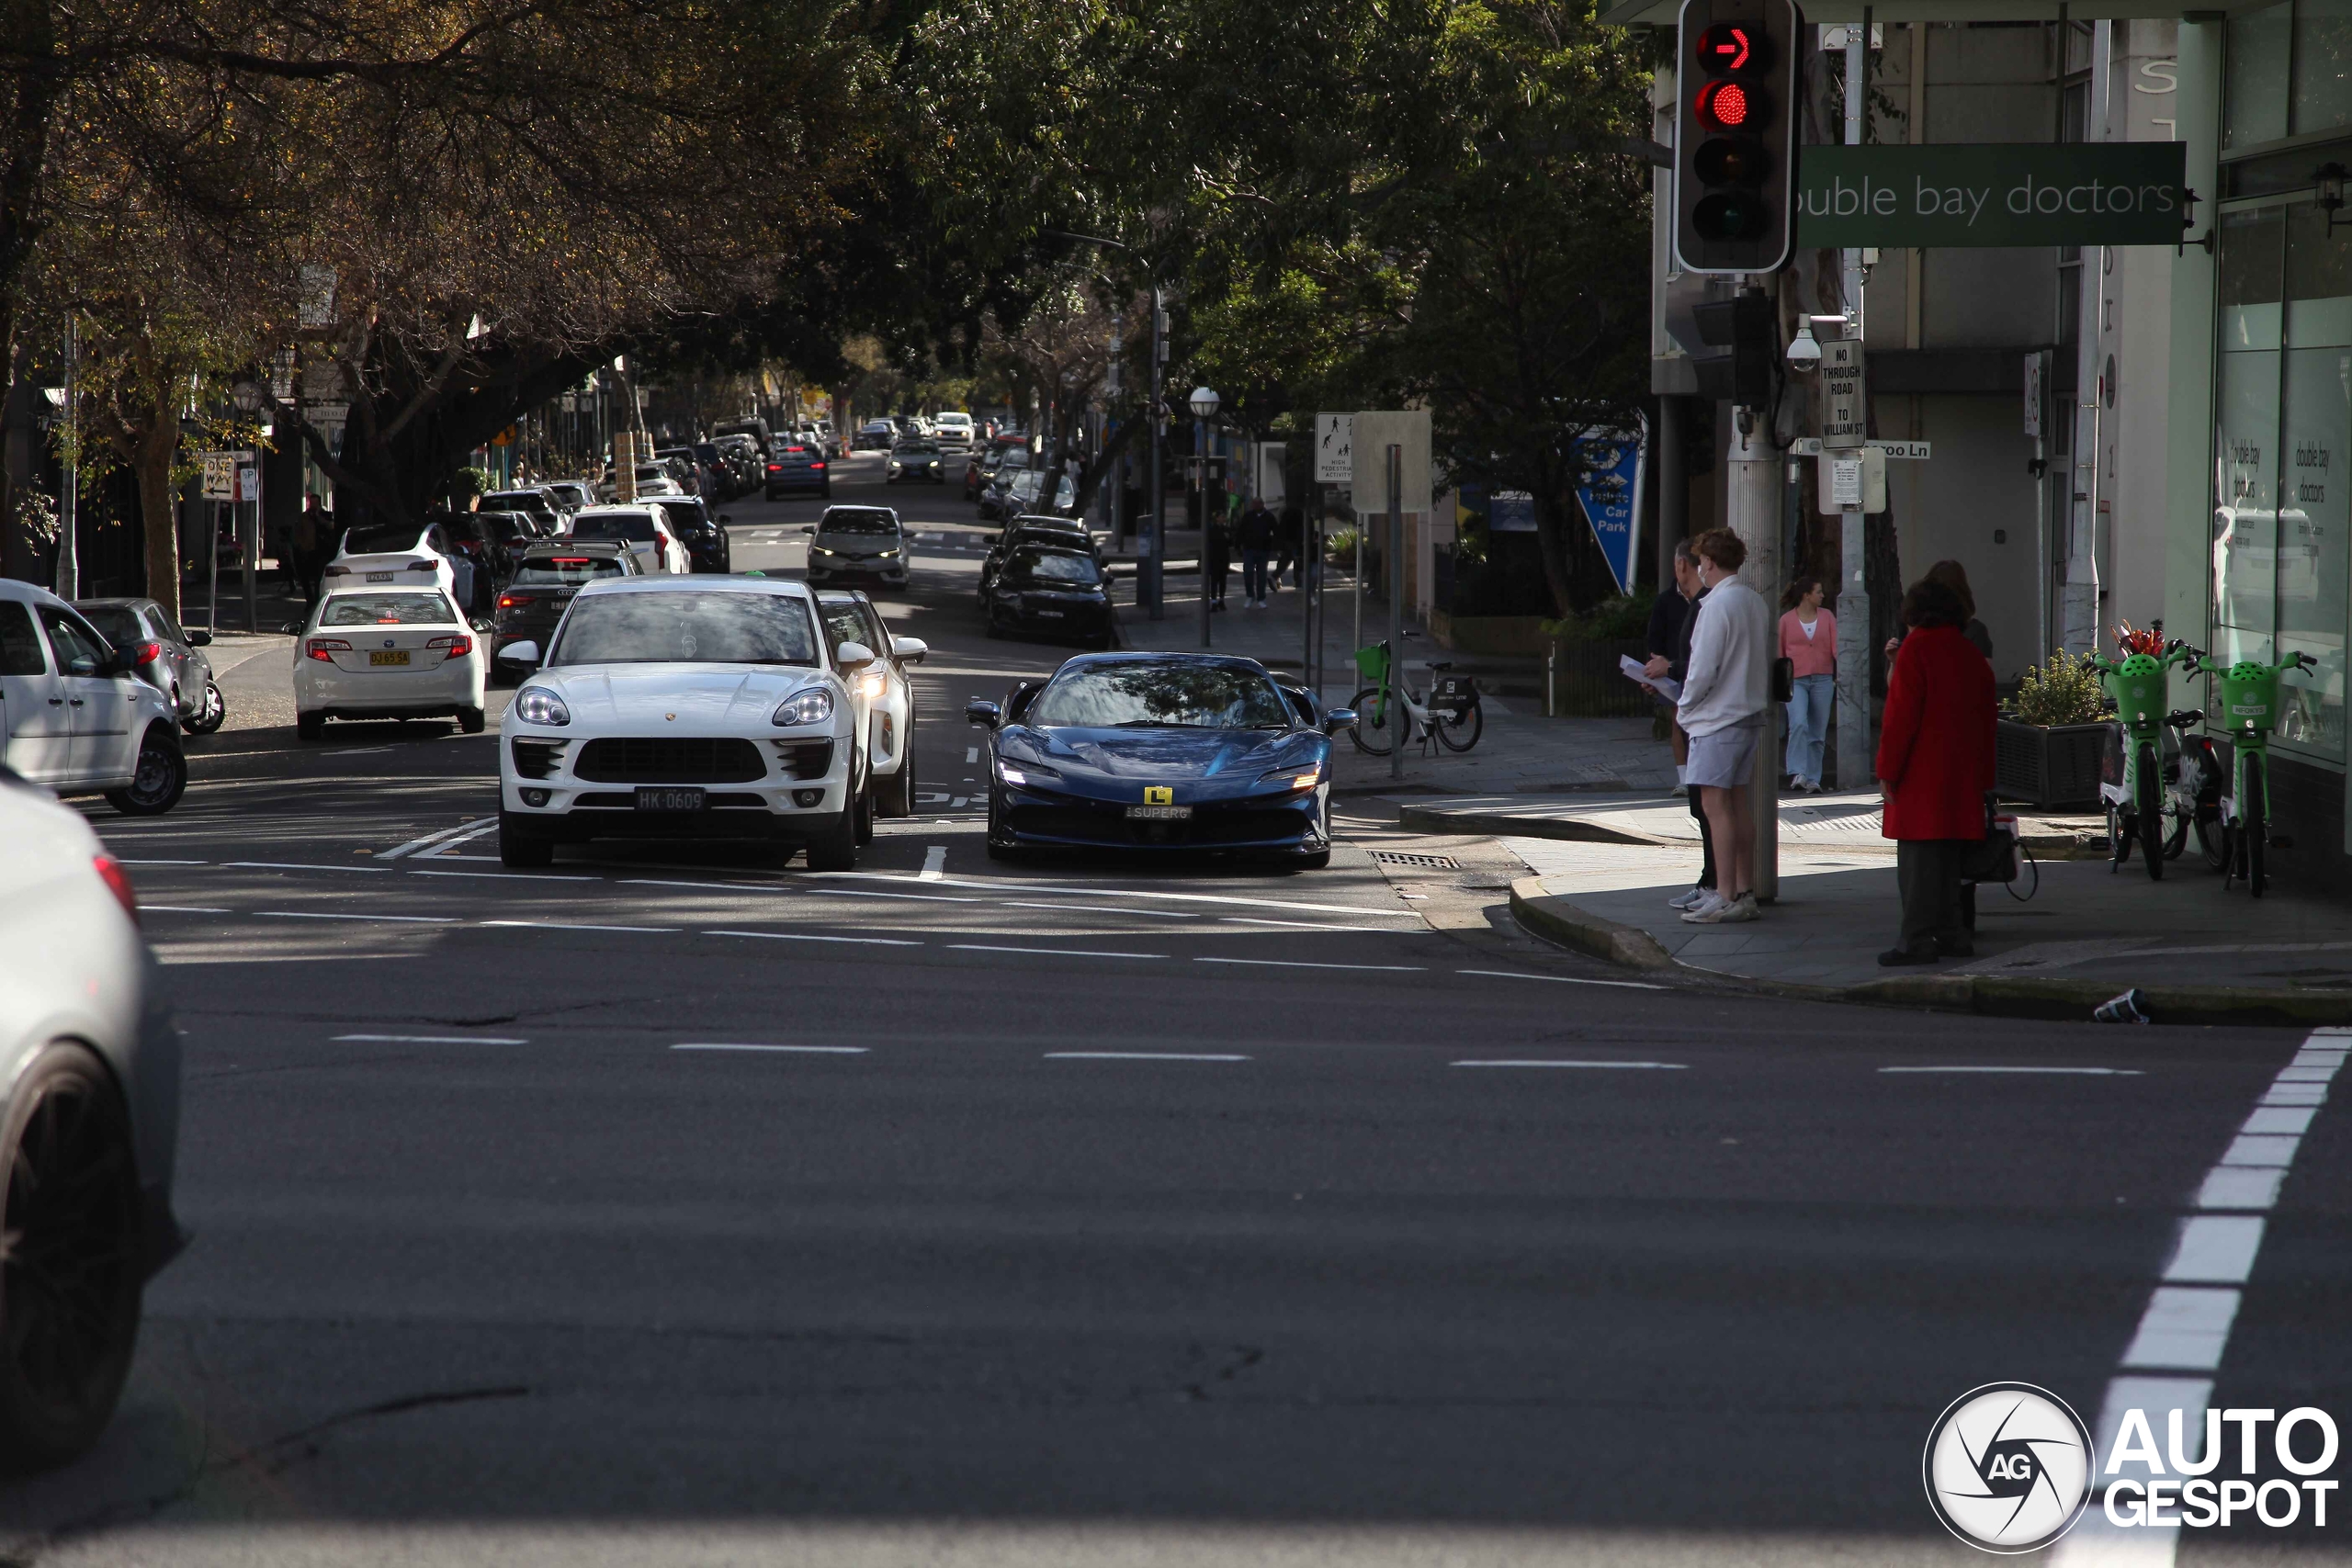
(1804, 351)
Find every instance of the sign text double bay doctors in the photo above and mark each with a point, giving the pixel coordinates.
(2112, 193)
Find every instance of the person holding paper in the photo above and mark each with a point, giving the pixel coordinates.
(1726, 695)
(1669, 642)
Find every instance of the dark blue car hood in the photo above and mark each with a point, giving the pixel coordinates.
(1113, 764)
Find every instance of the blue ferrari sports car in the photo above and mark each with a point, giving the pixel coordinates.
(1160, 752)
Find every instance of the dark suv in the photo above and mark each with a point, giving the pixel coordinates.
(798, 465)
(703, 535)
(545, 580)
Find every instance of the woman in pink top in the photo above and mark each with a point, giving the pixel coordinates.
(1809, 641)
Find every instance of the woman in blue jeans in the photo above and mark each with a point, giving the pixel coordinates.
(1809, 641)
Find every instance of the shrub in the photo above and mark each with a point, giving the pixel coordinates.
(2063, 691)
(1620, 618)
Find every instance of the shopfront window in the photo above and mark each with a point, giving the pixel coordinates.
(2257, 110)
(2245, 446)
(2323, 97)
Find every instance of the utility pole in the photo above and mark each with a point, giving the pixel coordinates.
(1848, 410)
(1153, 571)
(1204, 405)
(69, 555)
(1392, 567)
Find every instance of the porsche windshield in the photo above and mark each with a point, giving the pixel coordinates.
(686, 629)
(1186, 695)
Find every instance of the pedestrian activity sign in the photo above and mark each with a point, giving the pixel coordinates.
(1334, 454)
(1610, 494)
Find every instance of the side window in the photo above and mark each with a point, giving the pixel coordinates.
(434, 542)
(19, 644)
(77, 649)
(842, 624)
(878, 637)
(1304, 705)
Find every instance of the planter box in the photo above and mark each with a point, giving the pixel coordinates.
(2051, 767)
(1587, 681)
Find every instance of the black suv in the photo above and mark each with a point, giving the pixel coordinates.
(545, 580)
(703, 535)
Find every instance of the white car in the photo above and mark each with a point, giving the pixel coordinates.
(851, 617)
(955, 429)
(73, 713)
(387, 653)
(652, 479)
(88, 1125)
(702, 707)
(406, 553)
(643, 529)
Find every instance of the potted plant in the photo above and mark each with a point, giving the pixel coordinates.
(2046, 747)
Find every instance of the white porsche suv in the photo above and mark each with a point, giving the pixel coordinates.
(687, 707)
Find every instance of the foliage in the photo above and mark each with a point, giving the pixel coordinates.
(1619, 618)
(2063, 691)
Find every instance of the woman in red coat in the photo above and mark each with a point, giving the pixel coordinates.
(1935, 762)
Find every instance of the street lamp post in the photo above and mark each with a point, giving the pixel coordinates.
(1149, 575)
(1204, 402)
(247, 395)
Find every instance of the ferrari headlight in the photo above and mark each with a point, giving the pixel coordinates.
(537, 704)
(1027, 774)
(813, 705)
(1294, 779)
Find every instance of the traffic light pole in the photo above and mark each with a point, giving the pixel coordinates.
(1856, 759)
(1754, 509)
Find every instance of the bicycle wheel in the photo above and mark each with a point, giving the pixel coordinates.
(2118, 839)
(2178, 839)
(2151, 814)
(2213, 840)
(1374, 733)
(2254, 830)
(1459, 732)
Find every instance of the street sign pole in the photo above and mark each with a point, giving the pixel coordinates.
(1393, 567)
(1201, 490)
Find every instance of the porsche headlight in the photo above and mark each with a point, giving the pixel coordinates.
(537, 704)
(813, 705)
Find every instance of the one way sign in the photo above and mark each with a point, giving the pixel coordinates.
(1335, 462)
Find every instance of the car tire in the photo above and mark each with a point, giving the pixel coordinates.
(210, 713)
(519, 847)
(311, 726)
(862, 815)
(833, 847)
(897, 792)
(161, 777)
(70, 1288)
(471, 721)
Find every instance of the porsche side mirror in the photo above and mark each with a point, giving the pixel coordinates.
(521, 653)
(909, 649)
(1337, 719)
(987, 715)
(852, 657)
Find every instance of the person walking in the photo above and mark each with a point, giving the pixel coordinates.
(1217, 559)
(1255, 536)
(1809, 642)
(1727, 697)
(313, 534)
(1668, 641)
(1290, 535)
(1935, 762)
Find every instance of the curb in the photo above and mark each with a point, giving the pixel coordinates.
(1563, 924)
(1505, 824)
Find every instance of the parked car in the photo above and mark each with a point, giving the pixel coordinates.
(875, 435)
(171, 659)
(858, 542)
(509, 535)
(89, 1122)
(399, 555)
(1060, 533)
(74, 714)
(955, 429)
(387, 653)
(644, 527)
(1178, 751)
(1016, 491)
(688, 708)
(470, 538)
(849, 616)
(652, 479)
(704, 536)
(537, 502)
(545, 581)
(1043, 590)
(794, 465)
(988, 464)
(568, 495)
(917, 458)
(754, 428)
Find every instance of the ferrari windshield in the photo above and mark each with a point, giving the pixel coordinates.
(685, 628)
(1186, 695)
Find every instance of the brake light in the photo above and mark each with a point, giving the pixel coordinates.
(458, 646)
(324, 649)
(418, 566)
(146, 652)
(507, 601)
(776, 468)
(118, 883)
(819, 467)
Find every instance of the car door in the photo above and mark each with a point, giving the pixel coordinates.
(99, 706)
(894, 708)
(36, 724)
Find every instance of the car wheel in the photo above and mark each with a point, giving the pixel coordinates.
(161, 780)
(1320, 861)
(833, 847)
(470, 720)
(69, 1284)
(311, 726)
(897, 790)
(862, 815)
(521, 848)
(210, 713)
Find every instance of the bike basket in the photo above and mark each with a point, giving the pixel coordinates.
(2249, 697)
(2138, 687)
(1373, 662)
(1454, 694)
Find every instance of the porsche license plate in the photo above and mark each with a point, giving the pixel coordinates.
(672, 799)
(392, 655)
(1159, 813)
(380, 576)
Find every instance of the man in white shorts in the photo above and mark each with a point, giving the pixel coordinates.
(1726, 697)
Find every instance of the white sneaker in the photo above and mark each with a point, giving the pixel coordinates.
(1724, 912)
(1689, 899)
(1703, 912)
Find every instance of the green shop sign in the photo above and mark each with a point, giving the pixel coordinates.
(2075, 193)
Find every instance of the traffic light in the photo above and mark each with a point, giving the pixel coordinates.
(1745, 325)
(1734, 135)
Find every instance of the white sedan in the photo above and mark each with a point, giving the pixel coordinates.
(88, 1119)
(387, 653)
(644, 529)
(400, 554)
(687, 707)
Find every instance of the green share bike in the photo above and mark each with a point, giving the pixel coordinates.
(2136, 794)
(2249, 703)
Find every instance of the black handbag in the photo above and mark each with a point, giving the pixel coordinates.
(1785, 679)
(1994, 857)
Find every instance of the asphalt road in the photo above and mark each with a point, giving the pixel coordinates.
(671, 1207)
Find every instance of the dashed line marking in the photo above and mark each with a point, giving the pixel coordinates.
(2047, 1072)
(431, 1040)
(1301, 963)
(182, 909)
(934, 863)
(390, 920)
(778, 1050)
(1562, 979)
(809, 936)
(971, 755)
(296, 865)
(1051, 952)
(580, 926)
(1557, 1062)
(433, 837)
(1143, 1057)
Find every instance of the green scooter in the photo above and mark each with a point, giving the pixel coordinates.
(2249, 703)
(2137, 797)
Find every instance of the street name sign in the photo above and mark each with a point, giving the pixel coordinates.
(2072, 193)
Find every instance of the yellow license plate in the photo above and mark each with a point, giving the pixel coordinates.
(397, 656)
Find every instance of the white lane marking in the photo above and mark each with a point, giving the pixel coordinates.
(1299, 963)
(296, 865)
(182, 909)
(803, 936)
(1107, 910)
(934, 862)
(1553, 1062)
(432, 1039)
(971, 755)
(394, 920)
(788, 887)
(504, 876)
(2185, 1328)
(448, 849)
(416, 844)
(960, 802)
(791, 1050)
(1142, 1056)
(1562, 979)
(1082, 890)
(575, 926)
(1051, 952)
(1302, 925)
(166, 862)
(2077, 1072)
